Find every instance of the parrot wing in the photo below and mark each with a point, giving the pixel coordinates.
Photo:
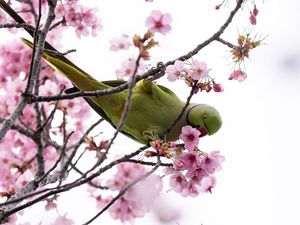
(98, 109)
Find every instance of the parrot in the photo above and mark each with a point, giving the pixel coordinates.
(153, 108)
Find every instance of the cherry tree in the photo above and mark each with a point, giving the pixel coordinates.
(44, 138)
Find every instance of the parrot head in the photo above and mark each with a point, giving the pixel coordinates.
(205, 118)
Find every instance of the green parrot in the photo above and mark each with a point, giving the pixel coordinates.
(153, 107)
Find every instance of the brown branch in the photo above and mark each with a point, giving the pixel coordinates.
(230, 45)
(17, 25)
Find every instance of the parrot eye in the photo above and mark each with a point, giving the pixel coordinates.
(204, 117)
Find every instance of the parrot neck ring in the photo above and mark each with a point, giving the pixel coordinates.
(203, 129)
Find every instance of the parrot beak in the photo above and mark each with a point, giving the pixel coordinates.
(203, 131)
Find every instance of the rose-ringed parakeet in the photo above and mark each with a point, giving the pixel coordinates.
(153, 107)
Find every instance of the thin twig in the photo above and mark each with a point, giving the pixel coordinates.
(230, 45)
(17, 25)
(188, 100)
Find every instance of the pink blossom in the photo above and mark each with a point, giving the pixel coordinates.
(187, 160)
(190, 136)
(121, 210)
(174, 71)
(253, 15)
(207, 183)
(198, 70)
(3, 18)
(166, 212)
(81, 30)
(238, 75)
(50, 203)
(159, 22)
(191, 190)
(128, 67)
(143, 194)
(49, 88)
(120, 43)
(212, 162)
(138, 199)
(217, 87)
(196, 174)
(178, 182)
(83, 19)
(63, 220)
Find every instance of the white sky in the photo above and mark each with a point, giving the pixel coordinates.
(259, 183)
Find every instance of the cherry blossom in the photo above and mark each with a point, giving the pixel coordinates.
(190, 136)
(174, 71)
(63, 220)
(159, 22)
(138, 199)
(191, 189)
(178, 182)
(207, 183)
(217, 87)
(3, 18)
(119, 43)
(238, 75)
(253, 15)
(187, 160)
(212, 162)
(198, 70)
(128, 67)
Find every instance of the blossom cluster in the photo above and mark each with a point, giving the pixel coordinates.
(17, 157)
(137, 201)
(195, 71)
(193, 170)
(156, 22)
(79, 17)
(68, 13)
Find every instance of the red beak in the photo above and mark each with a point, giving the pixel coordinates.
(203, 131)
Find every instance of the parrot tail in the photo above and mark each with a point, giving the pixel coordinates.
(78, 77)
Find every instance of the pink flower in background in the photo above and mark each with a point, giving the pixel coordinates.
(3, 18)
(128, 67)
(63, 220)
(137, 200)
(159, 22)
(190, 136)
(83, 19)
(174, 71)
(238, 75)
(49, 88)
(198, 70)
(119, 43)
